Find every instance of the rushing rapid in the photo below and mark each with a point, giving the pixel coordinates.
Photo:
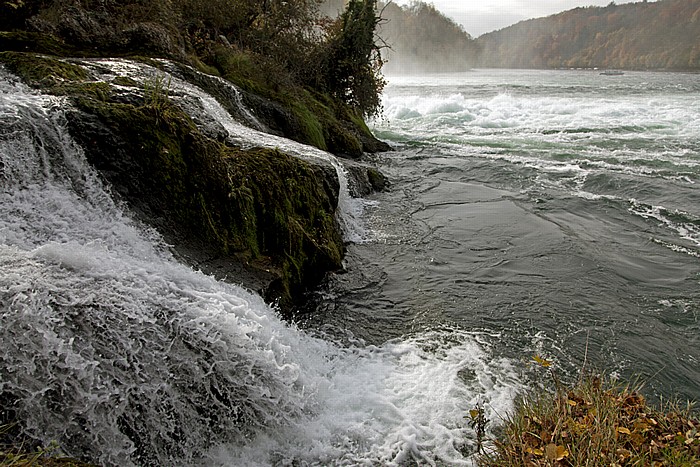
(126, 357)
(557, 209)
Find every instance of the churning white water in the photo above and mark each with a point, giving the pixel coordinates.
(126, 357)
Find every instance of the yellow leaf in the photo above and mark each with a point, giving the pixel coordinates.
(562, 452)
(622, 429)
(541, 361)
(535, 451)
(556, 453)
(473, 413)
(572, 403)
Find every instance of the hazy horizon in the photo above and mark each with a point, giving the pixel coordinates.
(487, 16)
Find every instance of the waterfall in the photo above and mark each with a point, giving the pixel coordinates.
(251, 134)
(110, 346)
(126, 357)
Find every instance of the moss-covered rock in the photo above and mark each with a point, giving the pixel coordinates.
(295, 112)
(41, 71)
(270, 215)
(260, 207)
(25, 41)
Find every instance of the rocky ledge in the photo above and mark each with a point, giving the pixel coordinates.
(256, 217)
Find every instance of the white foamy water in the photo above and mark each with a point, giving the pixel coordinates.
(126, 357)
(243, 134)
(597, 221)
(631, 137)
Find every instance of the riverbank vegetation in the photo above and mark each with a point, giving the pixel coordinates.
(323, 74)
(595, 421)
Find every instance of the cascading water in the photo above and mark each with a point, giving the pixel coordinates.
(204, 108)
(126, 357)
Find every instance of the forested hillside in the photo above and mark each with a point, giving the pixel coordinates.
(421, 39)
(661, 35)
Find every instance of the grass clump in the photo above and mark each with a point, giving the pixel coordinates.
(595, 422)
(28, 454)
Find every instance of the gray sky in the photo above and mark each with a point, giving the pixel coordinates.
(481, 16)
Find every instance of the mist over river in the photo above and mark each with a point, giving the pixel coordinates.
(552, 212)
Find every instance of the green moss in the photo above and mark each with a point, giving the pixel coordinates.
(39, 70)
(22, 41)
(203, 67)
(316, 118)
(95, 89)
(311, 130)
(341, 140)
(252, 204)
(296, 226)
(244, 71)
(125, 81)
(376, 179)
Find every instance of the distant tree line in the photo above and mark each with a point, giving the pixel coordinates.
(336, 56)
(658, 35)
(420, 39)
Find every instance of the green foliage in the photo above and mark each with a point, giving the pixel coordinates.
(157, 93)
(643, 35)
(278, 49)
(354, 60)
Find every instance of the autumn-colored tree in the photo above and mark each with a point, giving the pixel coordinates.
(644, 35)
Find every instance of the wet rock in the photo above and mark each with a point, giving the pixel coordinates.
(364, 179)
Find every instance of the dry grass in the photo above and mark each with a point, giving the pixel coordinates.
(18, 453)
(596, 422)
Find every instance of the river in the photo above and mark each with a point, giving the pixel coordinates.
(530, 213)
(556, 210)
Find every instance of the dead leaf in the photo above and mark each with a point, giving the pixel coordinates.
(542, 361)
(622, 429)
(556, 453)
(536, 451)
(623, 454)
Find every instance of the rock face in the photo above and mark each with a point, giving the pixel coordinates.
(259, 217)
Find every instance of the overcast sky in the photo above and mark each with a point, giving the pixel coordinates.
(480, 16)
